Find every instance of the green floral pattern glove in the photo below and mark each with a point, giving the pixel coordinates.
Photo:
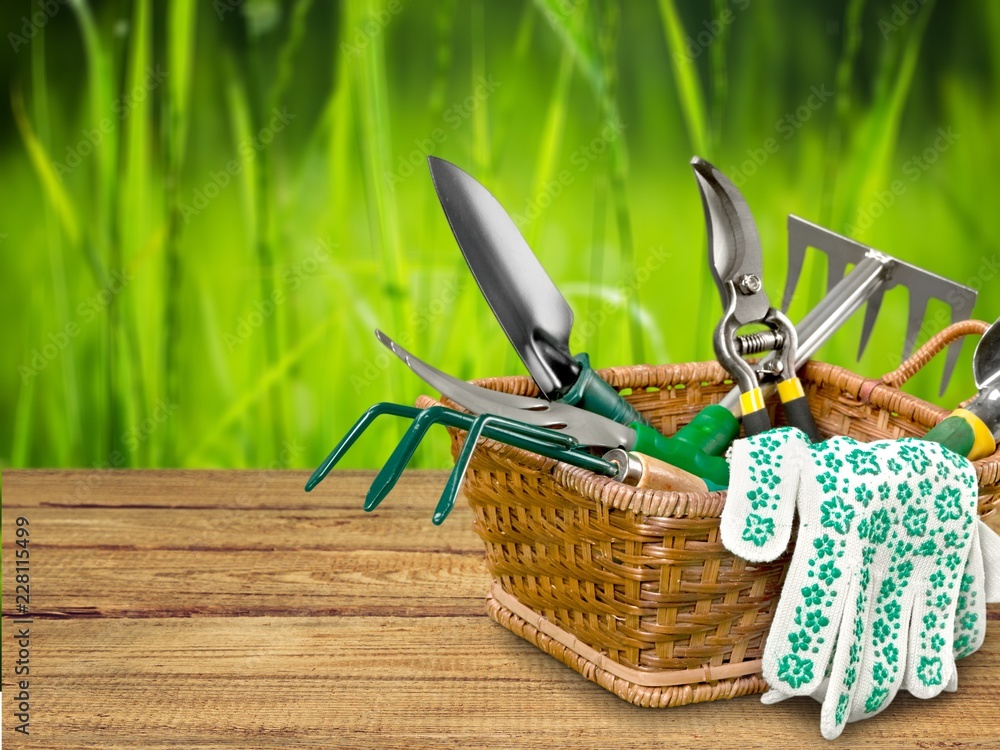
(882, 591)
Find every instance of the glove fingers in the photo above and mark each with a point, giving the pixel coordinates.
(797, 655)
(757, 518)
(970, 612)
(882, 669)
(930, 662)
(844, 670)
(773, 696)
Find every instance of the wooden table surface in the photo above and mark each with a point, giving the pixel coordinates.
(231, 609)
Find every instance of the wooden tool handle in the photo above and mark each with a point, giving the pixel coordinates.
(642, 471)
(659, 475)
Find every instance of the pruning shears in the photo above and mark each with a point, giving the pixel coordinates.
(736, 260)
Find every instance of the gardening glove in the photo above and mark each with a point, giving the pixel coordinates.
(884, 531)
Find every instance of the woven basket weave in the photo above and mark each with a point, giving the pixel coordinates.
(633, 588)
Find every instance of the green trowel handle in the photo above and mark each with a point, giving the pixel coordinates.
(712, 431)
(964, 433)
(595, 395)
(684, 454)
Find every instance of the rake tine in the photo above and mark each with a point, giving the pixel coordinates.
(871, 314)
(385, 407)
(961, 309)
(918, 310)
(796, 259)
(836, 270)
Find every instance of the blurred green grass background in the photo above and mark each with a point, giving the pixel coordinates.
(210, 205)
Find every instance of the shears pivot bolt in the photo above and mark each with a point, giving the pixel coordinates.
(750, 284)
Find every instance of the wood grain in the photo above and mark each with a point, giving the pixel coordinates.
(230, 609)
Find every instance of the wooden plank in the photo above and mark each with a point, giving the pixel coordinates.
(227, 490)
(411, 682)
(112, 582)
(388, 528)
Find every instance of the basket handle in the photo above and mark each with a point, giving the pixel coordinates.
(935, 344)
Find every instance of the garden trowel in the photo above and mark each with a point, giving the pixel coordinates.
(533, 313)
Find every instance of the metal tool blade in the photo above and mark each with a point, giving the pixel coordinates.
(533, 313)
(734, 249)
(986, 359)
(921, 284)
(588, 428)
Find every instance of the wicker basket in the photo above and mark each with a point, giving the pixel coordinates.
(633, 588)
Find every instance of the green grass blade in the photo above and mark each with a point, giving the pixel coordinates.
(135, 364)
(720, 79)
(181, 34)
(618, 166)
(842, 115)
(877, 144)
(69, 438)
(40, 160)
(480, 117)
(577, 36)
(260, 387)
(689, 90)
(371, 105)
(552, 134)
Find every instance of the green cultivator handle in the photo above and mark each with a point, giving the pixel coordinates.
(592, 393)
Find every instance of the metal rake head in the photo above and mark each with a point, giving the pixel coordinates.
(922, 285)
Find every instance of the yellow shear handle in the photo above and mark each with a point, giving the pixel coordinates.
(789, 390)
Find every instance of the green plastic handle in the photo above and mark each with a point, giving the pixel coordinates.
(689, 456)
(594, 394)
(955, 434)
(712, 430)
